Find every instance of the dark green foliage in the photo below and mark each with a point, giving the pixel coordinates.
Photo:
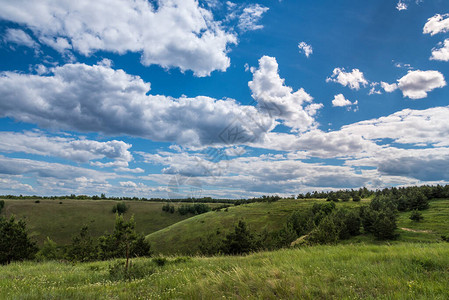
(356, 198)
(384, 226)
(332, 197)
(240, 241)
(37, 201)
(345, 197)
(83, 247)
(445, 238)
(348, 223)
(168, 208)
(416, 216)
(327, 232)
(120, 208)
(2, 204)
(160, 261)
(285, 236)
(379, 218)
(195, 209)
(123, 242)
(49, 251)
(14, 241)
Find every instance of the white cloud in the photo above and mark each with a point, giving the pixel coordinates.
(352, 79)
(279, 100)
(19, 37)
(416, 84)
(389, 88)
(441, 53)
(251, 16)
(340, 100)
(305, 48)
(101, 99)
(401, 6)
(178, 33)
(437, 24)
(78, 150)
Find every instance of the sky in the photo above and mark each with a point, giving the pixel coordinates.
(225, 99)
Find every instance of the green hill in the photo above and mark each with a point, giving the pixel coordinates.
(400, 271)
(61, 221)
(184, 237)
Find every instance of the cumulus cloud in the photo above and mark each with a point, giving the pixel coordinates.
(441, 52)
(19, 37)
(78, 150)
(176, 33)
(437, 24)
(389, 88)
(416, 84)
(401, 6)
(100, 99)
(278, 100)
(305, 48)
(41, 169)
(251, 16)
(353, 79)
(340, 100)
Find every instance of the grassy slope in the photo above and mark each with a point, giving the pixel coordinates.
(401, 271)
(184, 237)
(61, 221)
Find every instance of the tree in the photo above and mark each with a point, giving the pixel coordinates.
(123, 241)
(356, 198)
(240, 241)
(14, 241)
(2, 204)
(83, 246)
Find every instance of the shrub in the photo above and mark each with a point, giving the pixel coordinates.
(49, 251)
(416, 216)
(83, 247)
(159, 261)
(14, 241)
(240, 241)
(37, 201)
(356, 198)
(119, 272)
(120, 208)
(2, 204)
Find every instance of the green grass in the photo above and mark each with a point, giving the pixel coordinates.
(401, 271)
(61, 221)
(184, 237)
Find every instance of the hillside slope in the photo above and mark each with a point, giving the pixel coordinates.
(61, 221)
(184, 237)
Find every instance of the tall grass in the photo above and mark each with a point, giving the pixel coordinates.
(400, 271)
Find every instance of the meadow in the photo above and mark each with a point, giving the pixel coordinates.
(60, 222)
(399, 271)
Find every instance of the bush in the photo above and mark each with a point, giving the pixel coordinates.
(240, 241)
(416, 216)
(37, 201)
(2, 204)
(83, 247)
(356, 198)
(14, 241)
(120, 208)
(49, 251)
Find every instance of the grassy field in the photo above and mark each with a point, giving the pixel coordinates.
(401, 271)
(61, 221)
(184, 237)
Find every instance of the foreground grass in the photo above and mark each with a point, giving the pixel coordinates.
(61, 221)
(401, 271)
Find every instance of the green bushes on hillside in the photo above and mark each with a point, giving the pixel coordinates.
(15, 243)
(120, 208)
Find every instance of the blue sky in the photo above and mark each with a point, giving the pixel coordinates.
(179, 98)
